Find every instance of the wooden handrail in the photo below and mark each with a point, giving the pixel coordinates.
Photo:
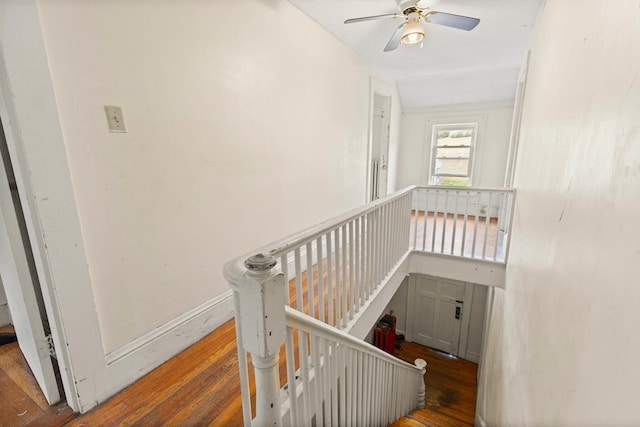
(299, 320)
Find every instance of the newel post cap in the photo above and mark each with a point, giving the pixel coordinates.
(260, 262)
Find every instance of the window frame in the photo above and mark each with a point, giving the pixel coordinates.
(439, 127)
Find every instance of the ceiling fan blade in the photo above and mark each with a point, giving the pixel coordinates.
(450, 20)
(371, 18)
(394, 41)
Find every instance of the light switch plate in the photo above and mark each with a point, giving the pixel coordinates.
(115, 118)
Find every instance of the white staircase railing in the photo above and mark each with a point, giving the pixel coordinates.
(350, 381)
(330, 377)
(330, 273)
(462, 222)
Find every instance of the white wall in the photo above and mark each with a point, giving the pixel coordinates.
(564, 343)
(235, 138)
(398, 305)
(491, 150)
(5, 317)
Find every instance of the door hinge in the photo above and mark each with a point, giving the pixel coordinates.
(46, 348)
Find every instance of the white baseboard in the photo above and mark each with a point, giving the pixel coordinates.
(5, 316)
(480, 421)
(185, 329)
(137, 358)
(472, 357)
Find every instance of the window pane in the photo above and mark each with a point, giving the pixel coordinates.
(451, 166)
(451, 181)
(455, 137)
(452, 152)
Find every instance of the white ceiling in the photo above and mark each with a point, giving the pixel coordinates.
(454, 68)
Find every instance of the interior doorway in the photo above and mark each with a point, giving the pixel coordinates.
(380, 127)
(380, 104)
(20, 283)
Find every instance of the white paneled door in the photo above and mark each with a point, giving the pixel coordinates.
(437, 314)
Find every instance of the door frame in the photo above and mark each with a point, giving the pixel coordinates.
(514, 139)
(379, 88)
(39, 159)
(20, 286)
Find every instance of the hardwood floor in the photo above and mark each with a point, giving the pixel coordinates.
(200, 387)
(451, 387)
(21, 401)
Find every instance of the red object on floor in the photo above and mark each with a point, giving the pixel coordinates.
(385, 333)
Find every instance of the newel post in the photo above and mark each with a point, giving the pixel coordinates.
(263, 332)
(422, 365)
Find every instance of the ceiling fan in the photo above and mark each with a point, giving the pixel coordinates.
(411, 30)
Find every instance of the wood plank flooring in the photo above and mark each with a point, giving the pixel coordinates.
(451, 387)
(21, 401)
(200, 386)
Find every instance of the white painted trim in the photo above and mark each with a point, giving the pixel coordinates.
(466, 320)
(381, 88)
(476, 150)
(132, 361)
(411, 291)
(481, 402)
(40, 166)
(187, 329)
(480, 422)
(456, 268)
(516, 120)
(472, 357)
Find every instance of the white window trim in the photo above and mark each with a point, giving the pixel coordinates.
(480, 119)
(434, 148)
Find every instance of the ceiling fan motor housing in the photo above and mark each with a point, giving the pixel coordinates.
(407, 6)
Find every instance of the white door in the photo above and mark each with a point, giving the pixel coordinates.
(438, 313)
(18, 282)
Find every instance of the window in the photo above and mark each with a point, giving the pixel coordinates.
(452, 154)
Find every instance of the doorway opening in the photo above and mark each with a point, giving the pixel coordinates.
(21, 286)
(379, 135)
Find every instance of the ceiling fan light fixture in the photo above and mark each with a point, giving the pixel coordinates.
(413, 32)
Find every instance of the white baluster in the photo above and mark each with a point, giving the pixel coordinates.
(445, 214)
(455, 223)
(424, 222)
(435, 223)
(416, 216)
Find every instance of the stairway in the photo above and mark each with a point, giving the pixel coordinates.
(450, 389)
